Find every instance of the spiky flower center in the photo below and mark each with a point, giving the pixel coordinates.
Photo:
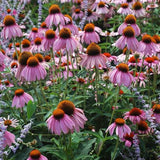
(7, 122)
(39, 57)
(16, 55)
(54, 9)
(43, 25)
(35, 154)
(65, 33)
(77, 10)
(70, 18)
(93, 49)
(137, 5)
(7, 82)
(129, 137)
(58, 113)
(89, 12)
(107, 54)
(50, 34)
(124, 5)
(119, 121)
(35, 30)
(22, 59)
(19, 92)
(149, 59)
(14, 65)
(101, 4)
(155, 58)
(147, 39)
(156, 38)
(67, 106)
(142, 126)
(9, 20)
(10, 46)
(123, 67)
(32, 61)
(37, 41)
(133, 60)
(26, 43)
(128, 32)
(156, 108)
(89, 27)
(17, 44)
(130, 19)
(135, 112)
(47, 58)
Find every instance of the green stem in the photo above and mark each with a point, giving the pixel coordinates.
(115, 149)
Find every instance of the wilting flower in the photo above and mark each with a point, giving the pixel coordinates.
(60, 122)
(36, 155)
(121, 75)
(124, 9)
(76, 114)
(129, 20)
(55, 16)
(127, 39)
(11, 29)
(143, 127)
(93, 58)
(120, 126)
(21, 98)
(135, 115)
(34, 70)
(90, 34)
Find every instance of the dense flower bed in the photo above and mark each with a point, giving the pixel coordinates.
(79, 80)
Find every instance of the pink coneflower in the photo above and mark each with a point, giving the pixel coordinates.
(124, 9)
(42, 29)
(129, 20)
(157, 41)
(101, 8)
(135, 115)
(69, 24)
(128, 138)
(9, 138)
(147, 45)
(76, 114)
(55, 16)
(25, 45)
(134, 61)
(11, 29)
(34, 70)
(8, 83)
(151, 61)
(93, 58)
(92, 16)
(121, 75)
(36, 155)
(37, 46)
(138, 9)
(48, 41)
(121, 128)
(41, 60)
(156, 112)
(60, 122)
(77, 14)
(110, 58)
(143, 127)
(130, 2)
(22, 59)
(33, 34)
(127, 39)
(90, 34)
(65, 41)
(21, 98)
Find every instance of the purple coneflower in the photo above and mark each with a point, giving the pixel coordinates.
(138, 9)
(36, 155)
(125, 9)
(77, 14)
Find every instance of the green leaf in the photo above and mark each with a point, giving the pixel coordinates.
(31, 107)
